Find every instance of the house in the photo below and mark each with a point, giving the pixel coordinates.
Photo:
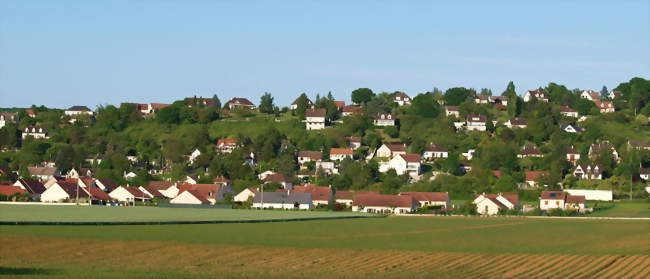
(614, 94)
(384, 119)
(571, 128)
(320, 195)
(153, 193)
(10, 190)
(452, 111)
(490, 204)
(6, 117)
(560, 200)
(435, 151)
(517, 123)
(354, 142)
(224, 182)
(85, 181)
(305, 156)
(605, 106)
(194, 101)
(568, 112)
(245, 195)
(378, 203)
(35, 132)
(644, 173)
(403, 164)
(63, 190)
(315, 119)
(430, 198)
(346, 197)
(43, 173)
(572, 155)
(499, 100)
(350, 110)
(338, 154)
(339, 105)
(590, 95)
(30, 112)
(213, 193)
(326, 167)
(294, 105)
(32, 186)
(538, 94)
(195, 154)
(279, 178)
(191, 179)
(597, 148)
(639, 145)
(78, 110)
(96, 194)
(190, 197)
(283, 200)
(401, 99)
(592, 195)
(154, 107)
(530, 151)
(476, 123)
(532, 178)
(226, 145)
(586, 171)
(482, 99)
(469, 154)
(167, 188)
(105, 184)
(390, 150)
(128, 194)
(239, 103)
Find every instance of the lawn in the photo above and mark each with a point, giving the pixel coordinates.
(394, 247)
(624, 209)
(51, 213)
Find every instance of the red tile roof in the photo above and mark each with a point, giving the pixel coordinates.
(98, 194)
(9, 190)
(411, 158)
(316, 113)
(396, 147)
(318, 193)
(575, 199)
(277, 177)
(553, 195)
(340, 104)
(313, 155)
(352, 109)
(33, 186)
(427, 196)
(345, 151)
(535, 175)
(222, 180)
(227, 142)
(206, 191)
(154, 192)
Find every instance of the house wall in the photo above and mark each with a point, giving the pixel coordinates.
(592, 195)
(551, 204)
(121, 194)
(382, 209)
(486, 207)
(170, 192)
(185, 198)
(54, 194)
(384, 152)
(344, 201)
(283, 205)
(243, 196)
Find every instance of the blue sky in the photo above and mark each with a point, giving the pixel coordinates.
(62, 53)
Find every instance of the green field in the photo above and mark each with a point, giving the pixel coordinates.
(624, 209)
(394, 247)
(52, 213)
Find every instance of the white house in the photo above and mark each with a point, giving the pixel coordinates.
(401, 99)
(167, 188)
(596, 148)
(378, 203)
(489, 204)
(346, 197)
(338, 154)
(283, 200)
(6, 117)
(560, 200)
(294, 105)
(568, 112)
(585, 171)
(402, 164)
(63, 190)
(305, 156)
(320, 195)
(644, 173)
(191, 179)
(517, 123)
(327, 167)
(390, 150)
(128, 194)
(592, 195)
(350, 110)
(354, 142)
(452, 111)
(78, 110)
(384, 119)
(315, 119)
(226, 145)
(35, 132)
(279, 178)
(605, 106)
(195, 154)
(538, 94)
(430, 198)
(590, 95)
(190, 197)
(245, 195)
(43, 173)
(570, 128)
(476, 123)
(434, 151)
(572, 155)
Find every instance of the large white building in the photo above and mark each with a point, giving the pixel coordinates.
(315, 119)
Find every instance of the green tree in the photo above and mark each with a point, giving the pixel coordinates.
(216, 103)
(455, 96)
(362, 95)
(266, 103)
(424, 105)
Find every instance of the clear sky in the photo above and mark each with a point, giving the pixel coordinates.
(63, 53)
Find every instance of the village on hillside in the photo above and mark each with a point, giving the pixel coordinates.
(548, 151)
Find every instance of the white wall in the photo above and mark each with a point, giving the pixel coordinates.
(54, 194)
(592, 195)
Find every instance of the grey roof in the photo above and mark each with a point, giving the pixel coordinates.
(283, 197)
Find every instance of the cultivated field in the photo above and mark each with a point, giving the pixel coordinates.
(60, 213)
(626, 209)
(396, 247)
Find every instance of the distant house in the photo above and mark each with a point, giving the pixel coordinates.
(190, 197)
(30, 112)
(213, 193)
(401, 99)
(639, 145)
(592, 195)
(452, 111)
(378, 203)
(339, 105)
(435, 151)
(128, 194)
(78, 110)
(191, 179)
(305, 156)
(499, 100)
(585, 171)
(390, 150)
(346, 197)
(195, 154)
(63, 190)
(338, 154)
(570, 128)
(320, 195)
(294, 105)
(6, 117)
(476, 123)
(560, 200)
(384, 119)
(245, 195)
(239, 103)
(590, 95)
(644, 173)
(403, 164)
(567, 111)
(10, 190)
(152, 192)
(224, 182)
(538, 94)
(354, 142)
(572, 155)
(614, 94)
(482, 99)
(315, 119)
(430, 198)
(35, 132)
(517, 123)
(532, 177)
(32, 186)
(605, 106)
(43, 173)
(530, 151)
(167, 188)
(490, 204)
(350, 110)
(597, 148)
(279, 178)
(226, 145)
(327, 167)
(282, 200)
(194, 101)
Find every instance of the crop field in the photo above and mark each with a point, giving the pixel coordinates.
(395, 247)
(625, 209)
(61, 213)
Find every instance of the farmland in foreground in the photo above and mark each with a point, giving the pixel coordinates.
(396, 247)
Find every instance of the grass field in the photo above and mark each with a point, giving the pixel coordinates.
(395, 247)
(53, 213)
(625, 209)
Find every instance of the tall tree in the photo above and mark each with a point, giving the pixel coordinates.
(216, 103)
(604, 92)
(455, 96)
(301, 105)
(362, 95)
(266, 103)
(510, 90)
